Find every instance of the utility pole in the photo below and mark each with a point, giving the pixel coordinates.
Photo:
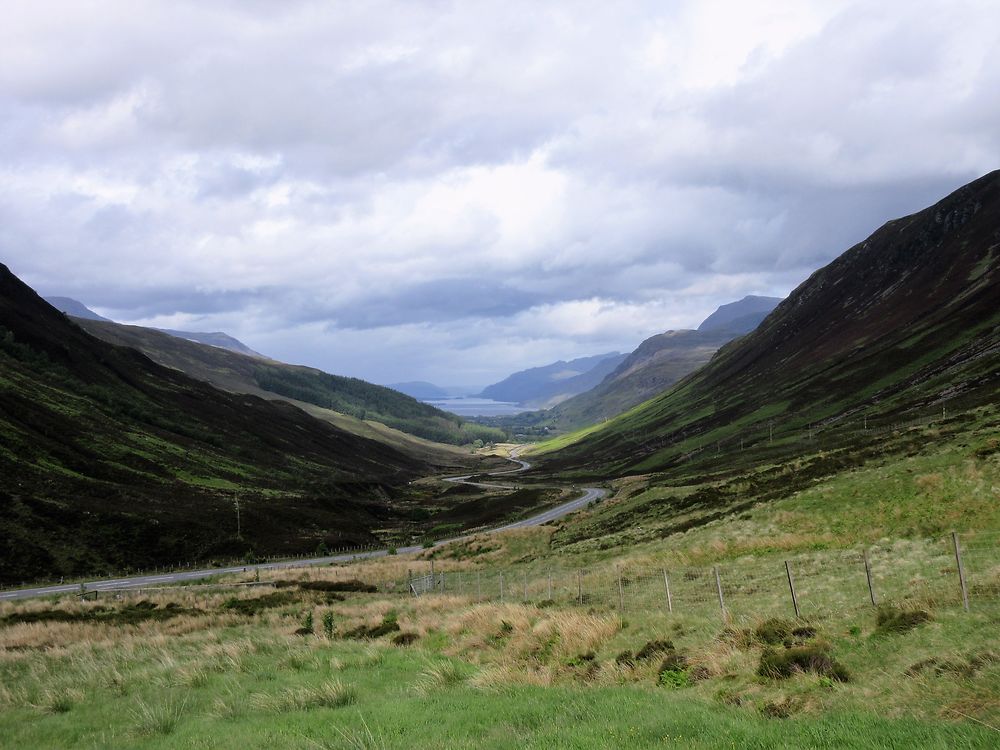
(236, 504)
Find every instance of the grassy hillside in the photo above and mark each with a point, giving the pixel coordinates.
(111, 461)
(903, 325)
(270, 379)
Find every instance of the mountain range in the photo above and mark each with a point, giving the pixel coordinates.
(542, 387)
(350, 403)
(111, 460)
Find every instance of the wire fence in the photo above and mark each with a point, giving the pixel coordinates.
(936, 573)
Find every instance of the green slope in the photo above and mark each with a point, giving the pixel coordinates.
(901, 326)
(351, 397)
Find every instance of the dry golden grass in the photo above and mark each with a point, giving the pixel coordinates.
(504, 674)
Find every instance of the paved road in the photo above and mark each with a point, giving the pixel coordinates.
(135, 582)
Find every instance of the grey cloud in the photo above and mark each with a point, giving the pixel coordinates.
(155, 154)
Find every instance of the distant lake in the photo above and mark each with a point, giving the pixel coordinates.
(475, 407)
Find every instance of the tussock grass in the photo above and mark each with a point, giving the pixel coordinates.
(330, 694)
(157, 716)
(439, 676)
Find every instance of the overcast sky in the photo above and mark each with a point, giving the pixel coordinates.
(454, 191)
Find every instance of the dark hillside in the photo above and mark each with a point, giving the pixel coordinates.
(906, 322)
(110, 460)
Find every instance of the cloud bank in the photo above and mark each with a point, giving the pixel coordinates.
(452, 191)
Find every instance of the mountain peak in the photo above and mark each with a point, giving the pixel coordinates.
(741, 316)
(75, 308)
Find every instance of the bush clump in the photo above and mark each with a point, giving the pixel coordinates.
(773, 631)
(653, 649)
(625, 659)
(815, 658)
(250, 607)
(352, 585)
(405, 639)
(388, 625)
(891, 620)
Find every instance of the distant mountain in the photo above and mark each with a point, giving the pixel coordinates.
(903, 325)
(659, 362)
(216, 338)
(541, 387)
(74, 307)
(421, 389)
(77, 309)
(111, 460)
(242, 373)
(742, 316)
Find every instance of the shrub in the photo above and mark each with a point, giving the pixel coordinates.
(388, 625)
(405, 639)
(260, 603)
(625, 659)
(773, 631)
(328, 624)
(653, 648)
(816, 658)
(890, 620)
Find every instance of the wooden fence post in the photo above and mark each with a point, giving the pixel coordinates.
(579, 586)
(868, 575)
(961, 569)
(666, 587)
(550, 586)
(791, 587)
(718, 587)
(621, 591)
(501, 588)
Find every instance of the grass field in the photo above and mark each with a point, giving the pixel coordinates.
(203, 673)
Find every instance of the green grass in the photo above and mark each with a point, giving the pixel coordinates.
(274, 691)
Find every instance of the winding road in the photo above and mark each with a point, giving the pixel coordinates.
(589, 495)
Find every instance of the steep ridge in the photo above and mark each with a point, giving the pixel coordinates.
(216, 338)
(742, 316)
(271, 379)
(902, 323)
(659, 362)
(110, 460)
(76, 309)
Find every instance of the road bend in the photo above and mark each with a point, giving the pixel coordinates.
(589, 495)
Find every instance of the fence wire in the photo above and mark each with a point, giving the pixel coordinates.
(923, 573)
